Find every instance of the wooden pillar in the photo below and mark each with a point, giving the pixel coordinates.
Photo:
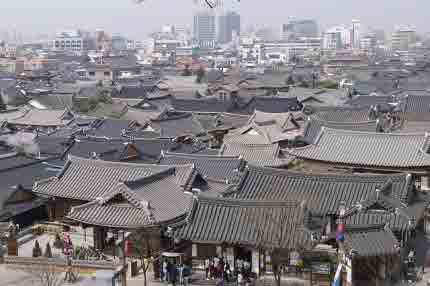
(12, 247)
(99, 238)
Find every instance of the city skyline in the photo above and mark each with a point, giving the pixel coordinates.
(138, 20)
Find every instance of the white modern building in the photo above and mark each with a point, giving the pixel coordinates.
(205, 29)
(73, 40)
(403, 38)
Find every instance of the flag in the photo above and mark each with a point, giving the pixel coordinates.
(336, 279)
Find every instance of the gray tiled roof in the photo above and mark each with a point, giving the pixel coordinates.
(110, 128)
(380, 218)
(215, 167)
(371, 242)
(141, 116)
(211, 104)
(224, 121)
(313, 127)
(172, 124)
(10, 114)
(323, 193)
(154, 199)
(43, 117)
(168, 192)
(367, 149)
(123, 209)
(88, 179)
(369, 100)
(53, 101)
(256, 154)
(340, 114)
(246, 222)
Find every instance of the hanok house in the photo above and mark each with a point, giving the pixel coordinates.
(113, 195)
(340, 150)
(18, 172)
(376, 206)
(268, 128)
(42, 119)
(220, 172)
(245, 230)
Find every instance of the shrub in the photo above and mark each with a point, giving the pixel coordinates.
(328, 83)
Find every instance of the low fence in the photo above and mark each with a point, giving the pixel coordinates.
(60, 262)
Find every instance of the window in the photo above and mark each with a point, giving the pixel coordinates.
(91, 73)
(107, 73)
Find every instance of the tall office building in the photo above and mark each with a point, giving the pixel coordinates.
(402, 38)
(228, 25)
(299, 28)
(355, 34)
(205, 29)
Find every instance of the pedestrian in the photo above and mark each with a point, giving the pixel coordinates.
(186, 273)
(166, 271)
(173, 274)
(227, 271)
(181, 273)
(160, 269)
(211, 270)
(207, 263)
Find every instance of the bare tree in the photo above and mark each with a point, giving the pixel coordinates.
(45, 275)
(142, 247)
(274, 228)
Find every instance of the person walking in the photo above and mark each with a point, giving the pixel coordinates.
(173, 273)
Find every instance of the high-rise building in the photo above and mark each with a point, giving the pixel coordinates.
(355, 34)
(119, 43)
(205, 29)
(333, 39)
(368, 42)
(228, 25)
(298, 29)
(402, 38)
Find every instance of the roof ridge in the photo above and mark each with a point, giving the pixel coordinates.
(320, 120)
(149, 179)
(200, 156)
(284, 172)
(247, 203)
(76, 159)
(354, 132)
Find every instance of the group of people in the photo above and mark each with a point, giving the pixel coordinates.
(171, 272)
(220, 269)
(217, 268)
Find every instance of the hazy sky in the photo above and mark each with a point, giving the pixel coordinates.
(137, 20)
